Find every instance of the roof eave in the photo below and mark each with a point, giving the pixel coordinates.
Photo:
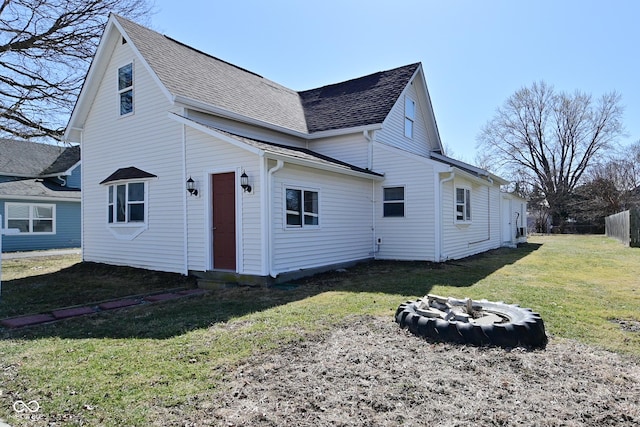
(80, 111)
(222, 112)
(344, 131)
(469, 169)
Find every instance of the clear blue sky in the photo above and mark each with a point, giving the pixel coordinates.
(475, 53)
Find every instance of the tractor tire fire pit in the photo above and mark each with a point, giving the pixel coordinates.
(479, 323)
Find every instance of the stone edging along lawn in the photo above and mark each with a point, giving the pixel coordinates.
(82, 310)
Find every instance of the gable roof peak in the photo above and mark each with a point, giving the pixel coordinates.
(194, 78)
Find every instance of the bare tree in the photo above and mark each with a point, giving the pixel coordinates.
(623, 171)
(45, 50)
(550, 139)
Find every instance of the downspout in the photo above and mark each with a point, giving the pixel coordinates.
(269, 187)
(439, 219)
(185, 222)
(368, 135)
(82, 193)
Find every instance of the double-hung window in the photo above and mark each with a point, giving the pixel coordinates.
(31, 218)
(409, 116)
(393, 202)
(125, 89)
(463, 204)
(126, 203)
(302, 208)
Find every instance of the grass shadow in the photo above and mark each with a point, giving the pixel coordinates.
(172, 318)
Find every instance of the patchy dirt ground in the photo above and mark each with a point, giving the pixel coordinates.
(372, 373)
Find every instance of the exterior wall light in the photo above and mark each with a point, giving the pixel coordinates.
(244, 182)
(191, 187)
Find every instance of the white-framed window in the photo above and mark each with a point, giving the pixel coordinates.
(409, 116)
(31, 218)
(125, 89)
(126, 203)
(302, 208)
(463, 204)
(393, 202)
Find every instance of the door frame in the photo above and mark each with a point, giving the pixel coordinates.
(208, 207)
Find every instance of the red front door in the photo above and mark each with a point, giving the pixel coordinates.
(224, 221)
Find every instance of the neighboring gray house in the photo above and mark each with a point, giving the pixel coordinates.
(39, 195)
(192, 164)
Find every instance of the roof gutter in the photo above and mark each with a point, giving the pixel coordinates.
(467, 167)
(325, 167)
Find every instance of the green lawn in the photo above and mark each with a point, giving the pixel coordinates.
(112, 368)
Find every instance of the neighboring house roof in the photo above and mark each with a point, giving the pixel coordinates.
(31, 159)
(36, 188)
(189, 73)
(67, 160)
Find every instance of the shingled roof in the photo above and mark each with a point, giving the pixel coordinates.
(195, 75)
(358, 102)
(32, 159)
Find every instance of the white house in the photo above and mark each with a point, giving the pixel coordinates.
(192, 164)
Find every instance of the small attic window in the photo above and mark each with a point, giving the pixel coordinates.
(125, 89)
(124, 41)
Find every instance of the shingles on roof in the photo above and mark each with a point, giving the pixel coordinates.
(31, 159)
(128, 173)
(37, 188)
(358, 102)
(69, 157)
(187, 72)
(195, 75)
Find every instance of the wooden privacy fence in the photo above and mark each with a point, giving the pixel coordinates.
(624, 226)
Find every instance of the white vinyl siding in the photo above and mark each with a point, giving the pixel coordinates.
(395, 126)
(462, 239)
(344, 233)
(207, 155)
(149, 141)
(352, 149)
(411, 237)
